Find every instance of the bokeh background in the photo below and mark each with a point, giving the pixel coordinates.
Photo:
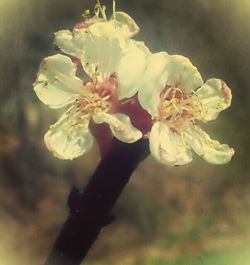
(194, 214)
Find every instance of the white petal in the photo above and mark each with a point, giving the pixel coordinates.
(102, 50)
(153, 82)
(128, 26)
(167, 146)
(71, 42)
(211, 150)
(66, 141)
(214, 96)
(131, 69)
(106, 28)
(183, 74)
(120, 126)
(57, 84)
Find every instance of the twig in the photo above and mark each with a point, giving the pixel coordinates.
(90, 210)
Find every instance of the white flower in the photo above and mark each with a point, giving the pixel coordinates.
(104, 47)
(174, 94)
(113, 64)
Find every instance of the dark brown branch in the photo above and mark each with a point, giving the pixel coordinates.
(90, 210)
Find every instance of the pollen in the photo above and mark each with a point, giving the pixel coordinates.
(91, 104)
(178, 109)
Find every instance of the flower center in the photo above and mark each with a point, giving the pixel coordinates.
(97, 97)
(92, 103)
(178, 109)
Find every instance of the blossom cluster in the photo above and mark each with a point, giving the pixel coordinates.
(107, 77)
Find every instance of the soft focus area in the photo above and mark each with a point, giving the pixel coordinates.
(188, 215)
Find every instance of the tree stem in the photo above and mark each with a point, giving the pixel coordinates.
(90, 210)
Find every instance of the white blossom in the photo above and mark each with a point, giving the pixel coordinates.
(113, 65)
(174, 94)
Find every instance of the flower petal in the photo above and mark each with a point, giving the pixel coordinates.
(214, 96)
(167, 146)
(57, 84)
(102, 50)
(128, 26)
(131, 68)
(183, 74)
(71, 42)
(107, 28)
(120, 126)
(153, 82)
(211, 150)
(68, 141)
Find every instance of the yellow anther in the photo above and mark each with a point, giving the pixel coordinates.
(179, 110)
(67, 126)
(86, 13)
(97, 109)
(166, 109)
(175, 100)
(79, 126)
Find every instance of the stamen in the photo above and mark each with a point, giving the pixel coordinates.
(92, 104)
(97, 9)
(100, 8)
(113, 5)
(95, 97)
(177, 109)
(86, 14)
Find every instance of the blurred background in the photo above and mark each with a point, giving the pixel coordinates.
(194, 214)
